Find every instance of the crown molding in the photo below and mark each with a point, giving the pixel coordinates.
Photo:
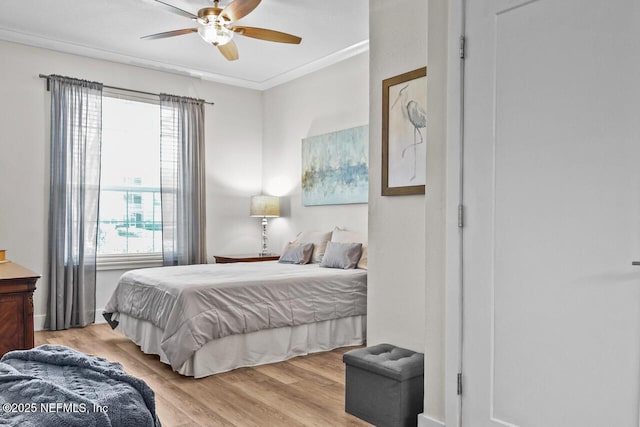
(90, 52)
(316, 65)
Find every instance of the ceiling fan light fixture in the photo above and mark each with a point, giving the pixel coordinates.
(212, 30)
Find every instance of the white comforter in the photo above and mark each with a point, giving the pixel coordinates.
(198, 303)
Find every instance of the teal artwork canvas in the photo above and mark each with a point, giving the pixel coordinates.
(335, 167)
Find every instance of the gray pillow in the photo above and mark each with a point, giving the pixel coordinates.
(296, 253)
(341, 255)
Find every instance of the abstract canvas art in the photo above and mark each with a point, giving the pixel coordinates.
(404, 157)
(335, 167)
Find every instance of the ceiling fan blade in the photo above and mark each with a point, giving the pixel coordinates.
(229, 50)
(269, 35)
(239, 8)
(177, 10)
(170, 34)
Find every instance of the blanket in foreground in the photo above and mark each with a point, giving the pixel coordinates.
(194, 304)
(58, 386)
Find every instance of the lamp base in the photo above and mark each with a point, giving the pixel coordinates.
(264, 251)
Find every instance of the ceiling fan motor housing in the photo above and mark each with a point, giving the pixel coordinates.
(212, 26)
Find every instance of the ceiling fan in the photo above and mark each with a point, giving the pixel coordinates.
(215, 26)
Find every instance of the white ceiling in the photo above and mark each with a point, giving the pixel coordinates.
(331, 30)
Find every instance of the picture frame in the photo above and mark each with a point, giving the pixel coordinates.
(404, 99)
(335, 167)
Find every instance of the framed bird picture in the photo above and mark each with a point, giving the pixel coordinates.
(404, 126)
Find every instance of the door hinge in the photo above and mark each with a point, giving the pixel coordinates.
(462, 47)
(460, 216)
(459, 383)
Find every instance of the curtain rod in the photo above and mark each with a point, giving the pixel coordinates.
(45, 76)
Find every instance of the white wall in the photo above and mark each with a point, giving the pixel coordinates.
(334, 98)
(233, 138)
(406, 295)
(396, 291)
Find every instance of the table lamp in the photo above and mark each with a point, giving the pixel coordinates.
(265, 207)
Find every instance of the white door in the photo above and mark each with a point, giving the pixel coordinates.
(552, 214)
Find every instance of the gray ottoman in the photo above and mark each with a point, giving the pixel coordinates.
(384, 385)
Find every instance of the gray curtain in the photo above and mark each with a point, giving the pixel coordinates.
(182, 180)
(76, 130)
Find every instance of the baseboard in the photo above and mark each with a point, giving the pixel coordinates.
(38, 320)
(99, 317)
(425, 421)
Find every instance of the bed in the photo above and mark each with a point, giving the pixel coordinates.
(58, 386)
(211, 318)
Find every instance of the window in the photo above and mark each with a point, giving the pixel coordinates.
(129, 218)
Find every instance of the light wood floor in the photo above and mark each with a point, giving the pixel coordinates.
(304, 391)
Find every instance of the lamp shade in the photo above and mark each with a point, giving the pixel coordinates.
(266, 206)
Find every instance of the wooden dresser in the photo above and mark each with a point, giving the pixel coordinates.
(16, 307)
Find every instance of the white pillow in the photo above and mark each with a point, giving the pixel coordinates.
(344, 236)
(319, 240)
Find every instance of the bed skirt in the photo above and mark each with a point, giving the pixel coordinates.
(252, 349)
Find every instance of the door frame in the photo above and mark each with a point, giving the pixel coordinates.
(454, 236)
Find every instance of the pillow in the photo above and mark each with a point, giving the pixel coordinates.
(296, 253)
(342, 255)
(319, 240)
(344, 236)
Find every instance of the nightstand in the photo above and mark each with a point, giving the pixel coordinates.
(16, 307)
(245, 258)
